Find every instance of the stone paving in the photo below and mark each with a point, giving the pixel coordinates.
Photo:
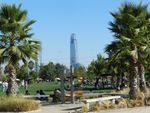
(62, 108)
(59, 108)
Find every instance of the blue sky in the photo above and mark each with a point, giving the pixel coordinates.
(57, 19)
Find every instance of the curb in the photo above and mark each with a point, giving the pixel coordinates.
(24, 112)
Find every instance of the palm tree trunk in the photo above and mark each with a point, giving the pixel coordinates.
(122, 81)
(0, 72)
(142, 84)
(118, 82)
(133, 77)
(12, 85)
(96, 83)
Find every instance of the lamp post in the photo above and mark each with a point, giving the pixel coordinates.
(29, 67)
(72, 83)
(25, 81)
(62, 86)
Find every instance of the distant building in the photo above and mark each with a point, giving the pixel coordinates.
(38, 61)
(74, 58)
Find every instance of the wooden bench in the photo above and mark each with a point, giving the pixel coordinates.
(40, 97)
(77, 95)
(100, 99)
(86, 102)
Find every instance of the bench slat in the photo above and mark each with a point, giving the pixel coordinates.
(35, 96)
(101, 99)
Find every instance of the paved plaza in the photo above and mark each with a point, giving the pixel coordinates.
(62, 108)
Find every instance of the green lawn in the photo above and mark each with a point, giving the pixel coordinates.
(49, 87)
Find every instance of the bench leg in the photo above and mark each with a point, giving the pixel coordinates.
(98, 106)
(85, 107)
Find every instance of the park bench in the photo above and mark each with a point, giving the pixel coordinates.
(100, 99)
(40, 97)
(94, 100)
(77, 95)
(86, 102)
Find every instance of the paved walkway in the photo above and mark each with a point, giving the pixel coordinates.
(129, 110)
(62, 108)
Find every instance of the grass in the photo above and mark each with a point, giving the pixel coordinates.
(94, 90)
(49, 87)
(17, 104)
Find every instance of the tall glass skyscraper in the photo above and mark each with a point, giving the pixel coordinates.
(74, 51)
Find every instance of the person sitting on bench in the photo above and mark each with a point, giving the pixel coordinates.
(56, 95)
(38, 94)
(43, 94)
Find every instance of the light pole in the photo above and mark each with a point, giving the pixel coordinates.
(72, 83)
(62, 86)
(26, 79)
(29, 67)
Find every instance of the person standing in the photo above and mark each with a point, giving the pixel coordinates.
(5, 86)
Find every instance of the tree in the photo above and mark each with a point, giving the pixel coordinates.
(16, 43)
(33, 75)
(130, 28)
(59, 70)
(22, 72)
(97, 68)
(47, 72)
(80, 71)
(80, 74)
(116, 62)
(90, 70)
(50, 71)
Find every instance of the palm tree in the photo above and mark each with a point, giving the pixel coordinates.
(97, 68)
(16, 43)
(142, 65)
(130, 28)
(115, 64)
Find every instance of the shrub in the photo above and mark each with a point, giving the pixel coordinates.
(104, 105)
(97, 106)
(122, 103)
(14, 104)
(135, 103)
